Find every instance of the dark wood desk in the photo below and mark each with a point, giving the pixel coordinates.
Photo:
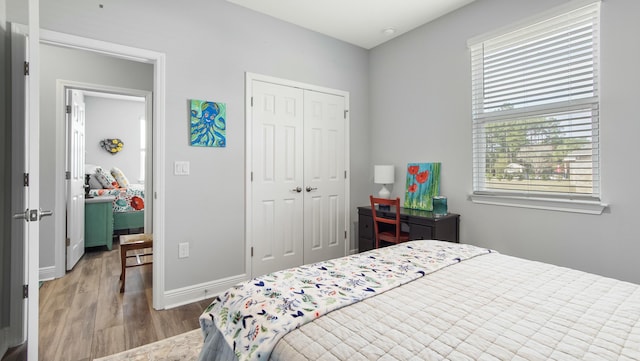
(422, 225)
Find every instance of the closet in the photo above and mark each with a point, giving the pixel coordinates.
(298, 187)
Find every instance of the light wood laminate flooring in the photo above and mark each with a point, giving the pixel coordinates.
(84, 316)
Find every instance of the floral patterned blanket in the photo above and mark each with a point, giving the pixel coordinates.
(128, 199)
(254, 315)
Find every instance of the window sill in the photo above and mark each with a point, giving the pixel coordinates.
(561, 205)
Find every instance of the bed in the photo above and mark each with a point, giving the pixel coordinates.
(437, 300)
(128, 207)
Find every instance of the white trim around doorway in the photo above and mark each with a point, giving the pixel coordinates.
(61, 91)
(158, 136)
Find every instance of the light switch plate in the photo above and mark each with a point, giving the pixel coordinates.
(183, 250)
(181, 168)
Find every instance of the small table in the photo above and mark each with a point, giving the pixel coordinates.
(132, 242)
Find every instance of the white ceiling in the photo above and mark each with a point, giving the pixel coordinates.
(359, 22)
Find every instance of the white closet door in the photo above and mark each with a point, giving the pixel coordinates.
(324, 176)
(277, 157)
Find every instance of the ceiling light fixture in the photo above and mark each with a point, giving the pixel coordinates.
(388, 31)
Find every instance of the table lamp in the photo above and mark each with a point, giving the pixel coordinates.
(383, 174)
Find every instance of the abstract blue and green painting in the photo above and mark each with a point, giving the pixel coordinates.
(208, 123)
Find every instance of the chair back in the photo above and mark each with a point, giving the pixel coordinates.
(380, 219)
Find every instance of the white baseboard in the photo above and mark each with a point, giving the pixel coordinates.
(185, 295)
(47, 273)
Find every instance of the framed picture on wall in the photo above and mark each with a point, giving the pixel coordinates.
(423, 183)
(208, 123)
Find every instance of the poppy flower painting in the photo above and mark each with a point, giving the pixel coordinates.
(208, 123)
(423, 183)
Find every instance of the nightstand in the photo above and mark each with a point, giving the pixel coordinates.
(98, 221)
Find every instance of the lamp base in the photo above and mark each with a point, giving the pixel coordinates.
(384, 192)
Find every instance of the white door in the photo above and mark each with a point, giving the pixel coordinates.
(298, 205)
(25, 186)
(324, 176)
(75, 178)
(16, 332)
(277, 205)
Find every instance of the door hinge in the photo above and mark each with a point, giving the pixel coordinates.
(345, 234)
(67, 175)
(345, 113)
(251, 251)
(345, 174)
(68, 109)
(25, 291)
(26, 68)
(25, 179)
(68, 240)
(252, 101)
(252, 176)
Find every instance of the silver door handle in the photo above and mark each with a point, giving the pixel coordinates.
(297, 189)
(45, 213)
(32, 215)
(23, 215)
(309, 189)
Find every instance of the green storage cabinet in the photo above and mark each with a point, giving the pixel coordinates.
(98, 222)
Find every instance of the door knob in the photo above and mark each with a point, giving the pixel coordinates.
(45, 213)
(23, 215)
(32, 215)
(309, 189)
(297, 189)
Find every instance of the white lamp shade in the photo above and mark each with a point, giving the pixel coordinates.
(383, 174)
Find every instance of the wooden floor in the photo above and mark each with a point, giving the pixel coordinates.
(84, 316)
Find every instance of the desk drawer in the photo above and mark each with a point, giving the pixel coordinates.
(365, 233)
(418, 231)
(365, 227)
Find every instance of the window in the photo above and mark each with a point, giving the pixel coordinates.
(535, 109)
(143, 148)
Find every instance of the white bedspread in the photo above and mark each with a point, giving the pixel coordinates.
(253, 316)
(491, 307)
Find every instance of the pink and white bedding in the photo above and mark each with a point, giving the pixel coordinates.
(483, 305)
(128, 199)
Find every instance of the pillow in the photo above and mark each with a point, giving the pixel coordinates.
(93, 182)
(123, 182)
(106, 179)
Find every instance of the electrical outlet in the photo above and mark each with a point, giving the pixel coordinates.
(183, 250)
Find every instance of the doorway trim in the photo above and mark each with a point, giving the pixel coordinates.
(249, 78)
(157, 140)
(61, 87)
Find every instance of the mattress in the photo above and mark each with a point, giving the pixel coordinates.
(489, 307)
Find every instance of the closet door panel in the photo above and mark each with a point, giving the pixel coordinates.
(324, 176)
(277, 205)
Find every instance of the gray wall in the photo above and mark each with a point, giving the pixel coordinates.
(80, 66)
(422, 81)
(209, 45)
(114, 118)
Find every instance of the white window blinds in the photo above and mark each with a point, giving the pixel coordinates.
(535, 108)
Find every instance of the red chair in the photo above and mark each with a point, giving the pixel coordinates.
(395, 236)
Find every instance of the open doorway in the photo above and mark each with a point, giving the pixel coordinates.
(149, 66)
(106, 166)
(65, 70)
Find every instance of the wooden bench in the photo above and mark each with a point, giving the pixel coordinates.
(133, 242)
